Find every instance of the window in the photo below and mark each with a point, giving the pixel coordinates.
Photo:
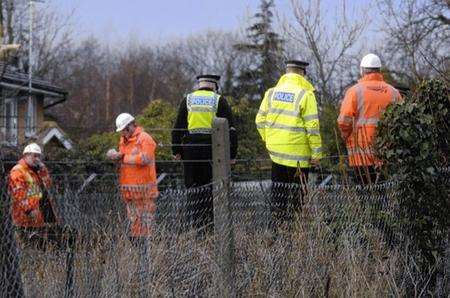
(8, 121)
(31, 117)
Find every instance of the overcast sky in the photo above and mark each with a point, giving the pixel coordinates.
(162, 19)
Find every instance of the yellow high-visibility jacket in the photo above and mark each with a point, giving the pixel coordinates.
(202, 107)
(288, 122)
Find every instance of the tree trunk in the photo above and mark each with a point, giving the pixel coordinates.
(1, 22)
(9, 28)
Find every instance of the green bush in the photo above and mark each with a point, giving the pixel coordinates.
(413, 141)
(250, 144)
(251, 148)
(156, 119)
(332, 143)
(98, 144)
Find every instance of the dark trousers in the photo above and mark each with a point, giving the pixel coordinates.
(197, 179)
(288, 190)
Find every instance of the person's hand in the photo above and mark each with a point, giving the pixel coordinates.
(38, 165)
(233, 161)
(176, 156)
(112, 154)
(117, 156)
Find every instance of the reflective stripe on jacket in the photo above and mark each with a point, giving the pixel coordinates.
(360, 113)
(288, 122)
(138, 164)
(202, 107)
(25, 188)
(138, 180)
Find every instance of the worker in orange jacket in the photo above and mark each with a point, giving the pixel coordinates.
(28, 184)
(33, 212)
(137, 180)
(360, 113)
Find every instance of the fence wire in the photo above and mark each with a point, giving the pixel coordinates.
(331, 240)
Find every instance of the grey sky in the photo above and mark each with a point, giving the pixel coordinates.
(162, 19)
(156, 18)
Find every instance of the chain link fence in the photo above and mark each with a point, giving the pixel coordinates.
(336, 241)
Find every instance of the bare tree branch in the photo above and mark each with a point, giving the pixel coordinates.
(327, 45)
(417, 40)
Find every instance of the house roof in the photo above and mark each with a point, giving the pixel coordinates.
(14, 79)
(52, 130)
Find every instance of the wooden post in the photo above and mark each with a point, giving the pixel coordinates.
(224, 277)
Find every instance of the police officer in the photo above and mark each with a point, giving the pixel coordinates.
(288, 123)
(191, 139)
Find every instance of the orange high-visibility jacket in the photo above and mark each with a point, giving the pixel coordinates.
(26, 188)
(138, 180)
(360, 112)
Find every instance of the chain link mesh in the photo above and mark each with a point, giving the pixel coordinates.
(333, 240)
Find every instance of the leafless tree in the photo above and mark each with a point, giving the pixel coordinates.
(106, 81)
(210, 52)
(328, 39)
(438, 10)
(417, 38)
(52, 36)
(86, 86)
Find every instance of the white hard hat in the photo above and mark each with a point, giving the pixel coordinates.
(32, 148)
(123, 120)
(371, 61)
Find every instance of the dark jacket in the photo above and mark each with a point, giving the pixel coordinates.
(180, 134)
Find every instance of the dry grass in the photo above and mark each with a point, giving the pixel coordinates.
(308, 263)
(335, 248)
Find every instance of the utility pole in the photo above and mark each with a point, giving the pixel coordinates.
(30, 49)
(30, 44)
(30, 54)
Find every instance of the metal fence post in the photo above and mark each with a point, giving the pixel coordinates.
(70, 260)
(224, 277)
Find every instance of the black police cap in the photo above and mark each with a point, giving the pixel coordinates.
(208, 78)
(297, 64)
